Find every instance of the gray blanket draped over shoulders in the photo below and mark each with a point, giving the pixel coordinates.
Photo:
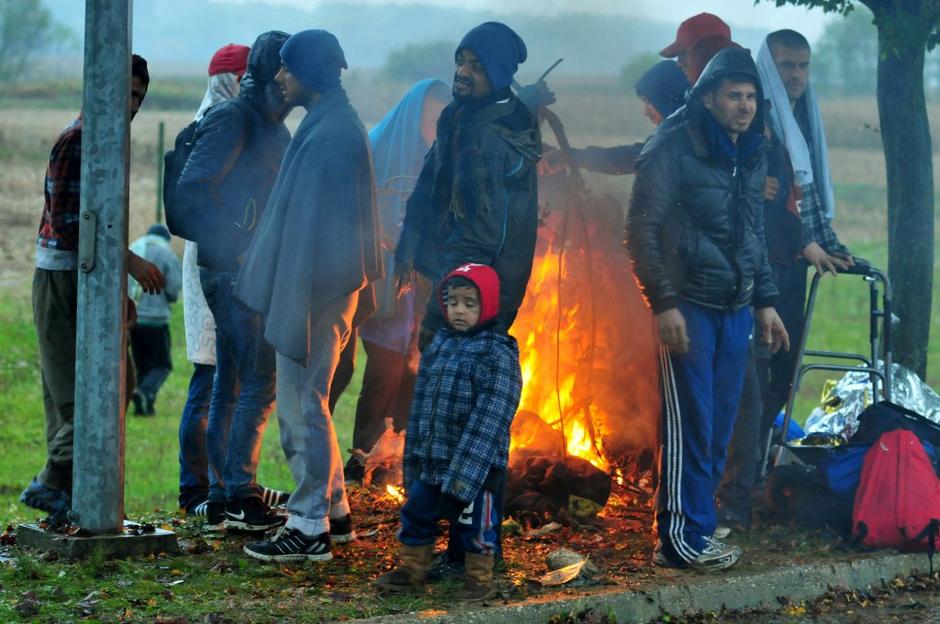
(317, 241)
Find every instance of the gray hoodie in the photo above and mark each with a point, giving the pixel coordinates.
(154, 310)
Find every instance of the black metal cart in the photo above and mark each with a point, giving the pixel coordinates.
(880, 348)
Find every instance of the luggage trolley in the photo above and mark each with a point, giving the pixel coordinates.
(880, 343)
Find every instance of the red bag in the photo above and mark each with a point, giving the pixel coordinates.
(898, 499)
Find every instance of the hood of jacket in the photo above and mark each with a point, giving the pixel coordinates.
(264, 61)
(487, 282)
(728, 62)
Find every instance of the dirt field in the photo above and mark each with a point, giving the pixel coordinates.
(601, 118)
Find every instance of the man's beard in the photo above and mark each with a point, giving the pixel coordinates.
(274, 101)
(466, 96)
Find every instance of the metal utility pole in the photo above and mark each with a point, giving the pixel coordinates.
(101, 343)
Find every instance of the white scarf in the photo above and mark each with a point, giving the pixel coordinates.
(221, 87)
(788, 131)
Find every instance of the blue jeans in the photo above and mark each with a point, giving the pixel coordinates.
(195, 476)
(474, 530)
(242, 392)
(701, 393)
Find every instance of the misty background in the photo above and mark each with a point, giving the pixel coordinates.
(389, 40)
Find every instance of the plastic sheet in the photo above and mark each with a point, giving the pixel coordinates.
(845, 399)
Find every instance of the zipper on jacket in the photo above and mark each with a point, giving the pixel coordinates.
(736, 232)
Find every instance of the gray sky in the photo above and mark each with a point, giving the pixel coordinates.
(743, 13)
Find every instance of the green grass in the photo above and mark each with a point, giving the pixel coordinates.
(840, 323)
(152, 465)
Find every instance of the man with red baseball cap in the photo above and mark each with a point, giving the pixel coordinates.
(689, 33)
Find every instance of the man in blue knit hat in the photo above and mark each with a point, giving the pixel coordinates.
(476, 198)
(309, 271)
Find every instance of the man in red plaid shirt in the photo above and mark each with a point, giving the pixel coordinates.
(55, 304)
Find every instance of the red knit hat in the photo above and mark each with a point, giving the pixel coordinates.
(486, 281)
(693, 29)
(230, 59)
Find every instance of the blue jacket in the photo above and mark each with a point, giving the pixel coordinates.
(229, 174)
(465, 399)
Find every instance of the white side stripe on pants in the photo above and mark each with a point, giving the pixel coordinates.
(673, 444)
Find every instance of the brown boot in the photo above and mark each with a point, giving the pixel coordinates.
(411, 571)
(478, 583)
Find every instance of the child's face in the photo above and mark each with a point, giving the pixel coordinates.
(463, 307)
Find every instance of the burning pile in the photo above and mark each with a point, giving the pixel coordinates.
(590, 397)
(588, 416)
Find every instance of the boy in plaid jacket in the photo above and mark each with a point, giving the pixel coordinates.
(457, 441)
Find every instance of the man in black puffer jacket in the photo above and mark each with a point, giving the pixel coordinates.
(225, 186)
(695, 234)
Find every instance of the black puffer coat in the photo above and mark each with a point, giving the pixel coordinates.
(695, 224)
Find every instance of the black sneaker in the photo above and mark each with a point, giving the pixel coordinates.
(354, 471)
(251, 514)
(291, 545)
(341, 530)
(149, 401)
(274, 498)
(138, 399)
(214, 514)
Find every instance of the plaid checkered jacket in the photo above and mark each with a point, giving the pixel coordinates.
(58, 228)
(465, 399)
(816, 227)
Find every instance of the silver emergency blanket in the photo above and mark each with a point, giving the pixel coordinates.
(845, 399)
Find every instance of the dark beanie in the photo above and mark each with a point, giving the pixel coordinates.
(160, 230)
(264, 60)
(315, 58)
(500, 50)
(664, 85)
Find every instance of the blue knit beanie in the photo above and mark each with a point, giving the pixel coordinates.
(500, 50)
(316, 58)
(664, 85)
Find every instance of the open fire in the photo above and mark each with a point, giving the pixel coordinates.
(588, 415)
(590, 403)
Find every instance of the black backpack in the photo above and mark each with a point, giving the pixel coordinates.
(174, 161)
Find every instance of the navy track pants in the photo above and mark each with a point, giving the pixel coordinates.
(701, 391)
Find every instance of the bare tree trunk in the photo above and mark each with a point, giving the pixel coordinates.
(909, 162)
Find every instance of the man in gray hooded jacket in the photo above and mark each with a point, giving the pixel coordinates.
(310, 270)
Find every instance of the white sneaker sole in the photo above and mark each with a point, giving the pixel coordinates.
(719, 563)
(292, 557)
(343, 539)
(252, 528)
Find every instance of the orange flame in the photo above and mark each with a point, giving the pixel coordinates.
(550, 331)
(397, 493)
